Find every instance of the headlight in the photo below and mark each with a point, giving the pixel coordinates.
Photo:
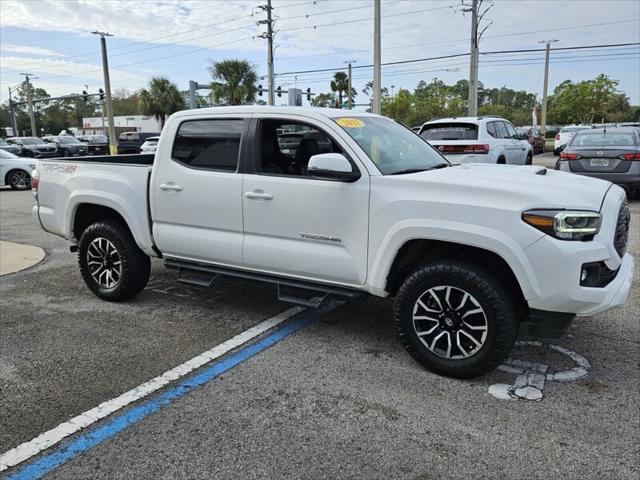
(564, 224)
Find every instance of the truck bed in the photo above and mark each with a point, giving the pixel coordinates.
(118, 182)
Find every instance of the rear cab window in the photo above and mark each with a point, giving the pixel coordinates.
(209, 144)
(450, 131)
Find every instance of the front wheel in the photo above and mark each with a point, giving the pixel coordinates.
(529, 160)
(19, 180)
(111, 264)
(455, 319)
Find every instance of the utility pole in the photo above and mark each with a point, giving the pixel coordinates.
(350, 86)
(12, 111)
(32, 117)
(476, 19)
(269, 36)
(473, 64)
(543, 115)
(376, 104)
(113, 145)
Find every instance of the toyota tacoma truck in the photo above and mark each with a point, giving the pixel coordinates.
(358, 205)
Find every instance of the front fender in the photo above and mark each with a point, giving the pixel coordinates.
(477, 236)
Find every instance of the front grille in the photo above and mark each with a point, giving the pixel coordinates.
(622, 230)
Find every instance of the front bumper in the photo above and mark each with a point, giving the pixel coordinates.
(558, 265)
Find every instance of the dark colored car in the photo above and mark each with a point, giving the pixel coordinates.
(34, 147)
(609, 153)
(68, 145)
(534, 137)
(130, 142)
(14, 149)
(96, 144)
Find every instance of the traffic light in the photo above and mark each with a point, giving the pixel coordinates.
(279, 91)
(101, 92)
(85, 96)
(308, 94)
(260, 90)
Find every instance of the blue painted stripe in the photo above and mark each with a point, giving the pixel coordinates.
(95, 437)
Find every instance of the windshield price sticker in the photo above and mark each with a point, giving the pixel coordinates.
(350, 123)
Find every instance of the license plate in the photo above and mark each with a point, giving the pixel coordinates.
(599, 162)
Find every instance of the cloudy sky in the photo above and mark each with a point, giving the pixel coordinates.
(179, 38)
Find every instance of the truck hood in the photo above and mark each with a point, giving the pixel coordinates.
(516, 186)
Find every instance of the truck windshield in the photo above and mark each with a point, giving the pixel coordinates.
(393, 148)
(68, 140)
(32, 141)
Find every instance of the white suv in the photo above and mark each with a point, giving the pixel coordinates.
(485, 139)
(564, 136)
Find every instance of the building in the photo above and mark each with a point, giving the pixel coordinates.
(128, 123)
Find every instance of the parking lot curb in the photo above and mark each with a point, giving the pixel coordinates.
(15, 257)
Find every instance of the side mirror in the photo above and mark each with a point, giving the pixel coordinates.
(522, 136)
(332, 166)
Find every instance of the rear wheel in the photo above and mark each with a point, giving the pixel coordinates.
(18, 180)
(529, 160)
(111, 264)
(501, 161)
(455, 319)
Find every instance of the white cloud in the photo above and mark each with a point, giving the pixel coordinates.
(28, 50)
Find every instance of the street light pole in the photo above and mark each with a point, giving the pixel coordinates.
(543, 115)
(350, 86)
(12, 111)
(113, 146)
(473, 66)
(376, 104)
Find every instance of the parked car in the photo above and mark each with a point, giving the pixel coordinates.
(611, 154)
(130, 142)
(15, 171)
(68, 145)
(468, 251)
(149, 145)
(534, 137)
(14, 149)
(564, 136)
(96, 144)
(478, 140)
(33, 147)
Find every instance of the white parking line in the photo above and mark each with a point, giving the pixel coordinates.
(41, 442)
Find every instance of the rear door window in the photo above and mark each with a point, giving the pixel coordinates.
(209, 144)
(501, 130)
(492, 130)
(450, 131)
(511, 132)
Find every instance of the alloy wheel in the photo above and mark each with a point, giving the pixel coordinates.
(450, 322)
(20, 180)
(104, 262)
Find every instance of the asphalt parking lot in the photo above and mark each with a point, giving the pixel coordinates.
(337, 398)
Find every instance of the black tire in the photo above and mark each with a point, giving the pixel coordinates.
(556, 152)
(499, 315)
(18, 179)
(501, 161)
(529, 160)
(134, 266)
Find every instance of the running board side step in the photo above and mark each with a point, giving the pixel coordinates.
(306, 294)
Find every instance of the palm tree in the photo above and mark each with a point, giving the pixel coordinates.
(161, 99)
(234, 82)
(340, 85)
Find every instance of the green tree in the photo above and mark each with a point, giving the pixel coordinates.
(234, 82)
(161, 99)
(340, 85)
(400, 107)
(326, 100)
(125, 103)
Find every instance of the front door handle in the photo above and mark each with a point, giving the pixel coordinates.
(256, 194)
(171, 186)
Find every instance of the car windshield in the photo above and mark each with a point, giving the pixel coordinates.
(393, 148)
(450, 131)
(573, 129)
(2, 142)
(32, 141)
(98, 139)
(68, 140)
(603, 139)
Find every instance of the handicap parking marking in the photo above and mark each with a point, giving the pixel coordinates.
(530, 382)
(89, 440)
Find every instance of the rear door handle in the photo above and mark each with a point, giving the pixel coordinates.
(171, 186)
(262, 195)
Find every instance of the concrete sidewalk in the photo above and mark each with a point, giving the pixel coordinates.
(15, 257)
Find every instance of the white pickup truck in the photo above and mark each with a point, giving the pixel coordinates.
(360, 205)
